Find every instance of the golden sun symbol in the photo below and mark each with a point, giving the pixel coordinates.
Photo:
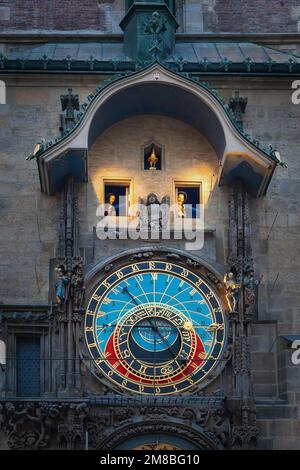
(188, 325)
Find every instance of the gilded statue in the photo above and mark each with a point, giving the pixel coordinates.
(153, 160)
(232, 291)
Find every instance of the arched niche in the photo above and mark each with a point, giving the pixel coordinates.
(157, 90)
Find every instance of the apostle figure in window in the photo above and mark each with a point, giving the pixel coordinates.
(110, 209)
(181, 200)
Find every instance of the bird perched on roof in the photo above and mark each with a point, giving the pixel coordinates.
(37, 148)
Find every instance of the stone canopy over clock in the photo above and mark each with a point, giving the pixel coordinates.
(156, 325)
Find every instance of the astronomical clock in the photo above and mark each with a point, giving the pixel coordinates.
(155, 327)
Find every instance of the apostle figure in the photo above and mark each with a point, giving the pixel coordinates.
(110, 209)
(181, 200)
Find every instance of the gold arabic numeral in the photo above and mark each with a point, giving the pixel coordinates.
(168, 267)
(88, 328)
(90, 312)
(157, 389)
(151, 265)
(106, 284)
(141, 388)
(110, 373)
(199, 283)
(124, 383)
(120, 274)
(184, 273)
(175, 388)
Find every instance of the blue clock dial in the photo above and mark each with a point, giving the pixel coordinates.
(155, 327)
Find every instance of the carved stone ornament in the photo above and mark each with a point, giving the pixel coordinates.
(34, 425)
(156, 27)
(27, 426)
(205, 428)
(64, 425)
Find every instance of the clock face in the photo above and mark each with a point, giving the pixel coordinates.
(155, 327)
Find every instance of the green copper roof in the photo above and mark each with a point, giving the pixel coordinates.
(222, 57)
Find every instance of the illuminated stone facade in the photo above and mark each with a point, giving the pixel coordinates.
(48, 218)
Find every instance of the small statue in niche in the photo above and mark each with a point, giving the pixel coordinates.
(232, 291)
(110, 209)
(181, 200)
(153, 160)
(78, 288)
(153, 214)
(250, 285)
(61, 285)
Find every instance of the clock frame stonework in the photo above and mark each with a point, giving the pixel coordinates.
(157, 326)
